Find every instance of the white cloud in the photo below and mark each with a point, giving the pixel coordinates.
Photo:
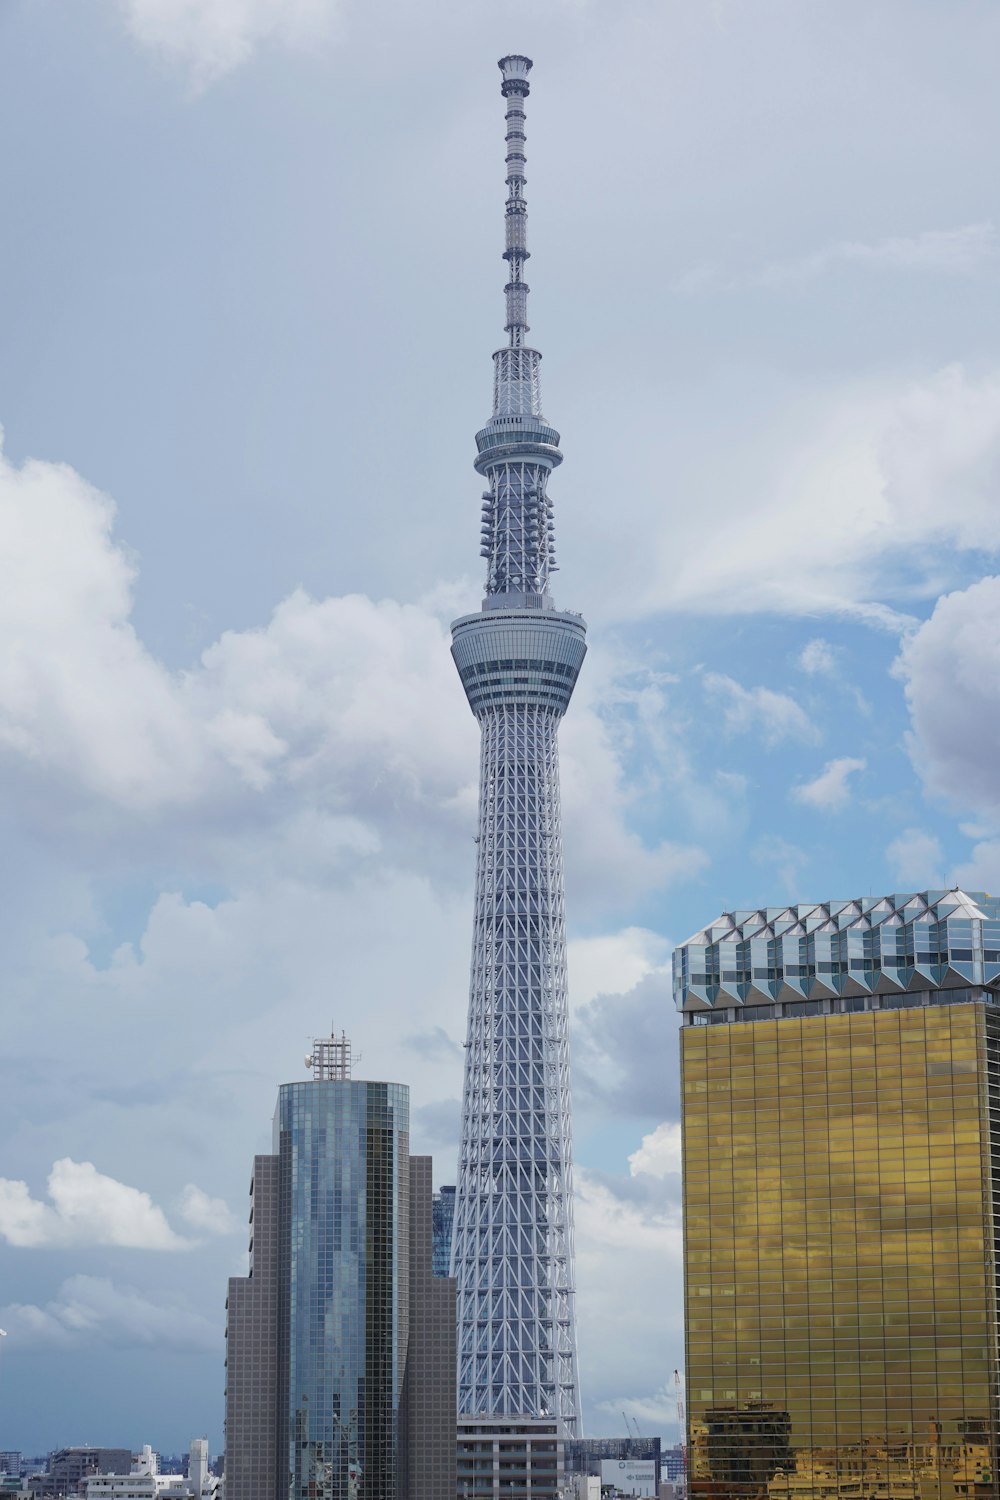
(830, 790)
(817, 658)
(915, 860)
(86, 1208)
(950, 252)
(981, 871)
(614, 963)
(951, 671)
(657, 1411)
(207, 1215)
(79, 696)
(629, 1278)
(624, 1024)
(334, 729)
(961, 251)
(864, 499)
(660, 1152)
(211, 37)
(91, 1310)
(775, 716)
(788, 860)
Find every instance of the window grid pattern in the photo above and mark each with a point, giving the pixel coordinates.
(840, 1244)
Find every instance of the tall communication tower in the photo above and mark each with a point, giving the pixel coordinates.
(518, 659)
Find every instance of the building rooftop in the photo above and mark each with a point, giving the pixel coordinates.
(879, 950)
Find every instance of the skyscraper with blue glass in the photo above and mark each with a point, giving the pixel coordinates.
(341, 1342)
(443, 1220)
(518, 658)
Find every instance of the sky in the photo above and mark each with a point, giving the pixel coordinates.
(250, 282)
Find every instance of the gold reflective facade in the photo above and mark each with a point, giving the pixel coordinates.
(840, 1255)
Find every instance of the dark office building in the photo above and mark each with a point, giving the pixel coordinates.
(429, 1381)
(444, 1217)
(340, 1379)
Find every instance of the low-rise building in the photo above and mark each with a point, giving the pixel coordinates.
(68, 1467)
(144, 1481)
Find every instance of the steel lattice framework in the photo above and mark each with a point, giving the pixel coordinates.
(512, 1249)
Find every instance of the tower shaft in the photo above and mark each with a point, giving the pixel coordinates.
(518, 659)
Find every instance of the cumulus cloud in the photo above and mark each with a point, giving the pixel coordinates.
(660, 1152)
(629, 1278)
(624, 1024)
(951, 671)
(338, 726)
(981, 871)
(207, 1215)
(90, 1310)
(915, 860)
(79, 695)
(830, 790)
(774, 716)
(85, 1208)
(614, 962)
(862, 507)
(312, 696)
(211, 37)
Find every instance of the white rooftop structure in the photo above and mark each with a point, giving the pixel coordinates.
(145, 1482)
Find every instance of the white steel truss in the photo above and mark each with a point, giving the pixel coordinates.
(513, 1241)
(512, 1246)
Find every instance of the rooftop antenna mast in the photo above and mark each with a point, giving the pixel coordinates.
(330, 1058)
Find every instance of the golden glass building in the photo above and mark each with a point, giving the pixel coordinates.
(841, 1120)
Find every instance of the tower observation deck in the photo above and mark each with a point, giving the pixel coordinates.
(518, 658)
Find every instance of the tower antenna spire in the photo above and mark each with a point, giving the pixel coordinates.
(515, 89)
(517, 448)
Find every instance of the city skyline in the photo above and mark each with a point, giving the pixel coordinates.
(247, 289)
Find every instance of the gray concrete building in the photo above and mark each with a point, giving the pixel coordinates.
(521, 1457)
(69, 1466)
(341, 1343)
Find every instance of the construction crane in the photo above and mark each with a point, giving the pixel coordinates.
(679, 1388)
